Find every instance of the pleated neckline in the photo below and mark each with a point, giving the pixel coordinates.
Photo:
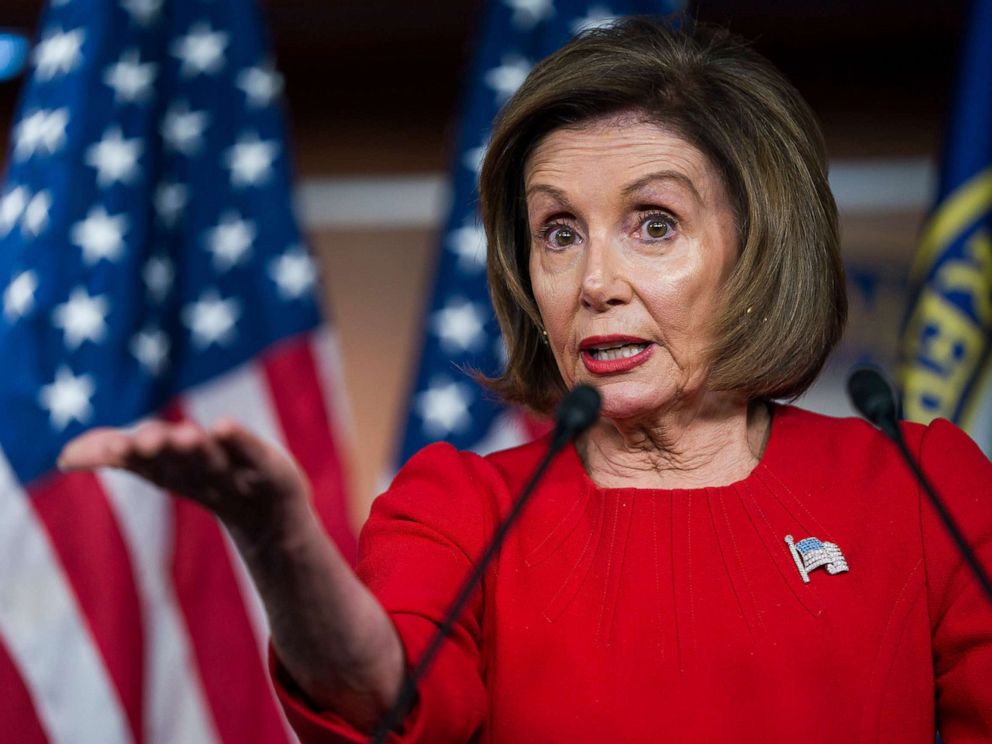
(769, 459)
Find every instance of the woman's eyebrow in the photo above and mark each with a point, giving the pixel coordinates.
(665, 175)
(552, 191)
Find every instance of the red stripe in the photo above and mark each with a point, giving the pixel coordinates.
(235, 680)
(95, 558)
(227, 653)
(295, 386)
(17, 711)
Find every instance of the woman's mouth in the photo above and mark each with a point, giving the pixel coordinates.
(607, 355)
(624, 351)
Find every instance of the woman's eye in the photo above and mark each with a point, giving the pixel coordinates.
(560, 236)
(657, 227)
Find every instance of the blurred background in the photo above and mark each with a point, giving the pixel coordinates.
(373, 90)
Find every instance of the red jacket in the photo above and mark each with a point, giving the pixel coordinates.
(631, 615)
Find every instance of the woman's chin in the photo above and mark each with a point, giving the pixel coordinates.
(634, 402)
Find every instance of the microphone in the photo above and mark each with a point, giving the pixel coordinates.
(873, 397)
(577, 411)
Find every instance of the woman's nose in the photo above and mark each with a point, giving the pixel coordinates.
(604, 281)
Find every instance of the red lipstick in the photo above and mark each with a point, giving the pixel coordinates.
(593, 348)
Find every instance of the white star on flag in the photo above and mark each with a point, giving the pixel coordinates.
(151, 348)
(472, 159)
(12, 205)
(293, 272)
(68, 398)
(597, 17)
(183, 129)
(230, 241)
(18, 297)
(100, 235)
(35, 218)
(201, 51)
(261, 84)
(42, 130)
(158, 274)
(528, 13)
(58, 53)
(130, 80)
(115, 158)
(506, 78)
(211, 320)
(142, 12)
(444, 407)
(468, 242)
(82, 318)
(459, 325)
(250, 160)
(170, 201)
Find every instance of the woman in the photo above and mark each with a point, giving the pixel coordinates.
(659, 226)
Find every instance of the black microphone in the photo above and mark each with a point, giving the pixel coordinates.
(577, 411)
(874, 398)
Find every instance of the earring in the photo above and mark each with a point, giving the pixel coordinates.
(544, 337)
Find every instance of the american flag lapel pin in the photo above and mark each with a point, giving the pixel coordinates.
(811, 553)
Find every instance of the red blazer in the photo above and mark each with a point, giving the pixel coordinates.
(631, 615)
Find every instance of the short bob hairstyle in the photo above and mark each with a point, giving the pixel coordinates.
(785, 300)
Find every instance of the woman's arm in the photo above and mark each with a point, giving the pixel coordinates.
(328, 630)
(960, 614)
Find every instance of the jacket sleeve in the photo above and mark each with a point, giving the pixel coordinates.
(960, 613)
(416, 548)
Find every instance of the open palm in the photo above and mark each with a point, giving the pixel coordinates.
(245, 481)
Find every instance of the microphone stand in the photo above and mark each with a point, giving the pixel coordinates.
(872, 396)
(577, 412)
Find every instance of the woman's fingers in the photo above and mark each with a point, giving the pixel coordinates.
(96, 448)
(248, 451)
(243, 448)
(176, 456)
(227, 463)
(267, 467)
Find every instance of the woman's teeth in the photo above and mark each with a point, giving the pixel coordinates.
(617, 352)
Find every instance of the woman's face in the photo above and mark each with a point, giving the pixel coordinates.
(632, 239)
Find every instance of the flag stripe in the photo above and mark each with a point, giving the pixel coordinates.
(87, 538)
(292, 376)
(176, 709)
(45, 633)
(226, 648)
(242, 394)
(17, 709)
(330, 371)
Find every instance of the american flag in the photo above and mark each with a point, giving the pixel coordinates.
(460, 329)
(811, 553)
(150, 265)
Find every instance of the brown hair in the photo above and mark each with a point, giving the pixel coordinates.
(786, 302)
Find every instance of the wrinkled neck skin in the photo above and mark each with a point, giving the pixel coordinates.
(713, 440)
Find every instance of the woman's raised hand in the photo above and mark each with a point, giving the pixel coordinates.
(331, 634)
(245, 481)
